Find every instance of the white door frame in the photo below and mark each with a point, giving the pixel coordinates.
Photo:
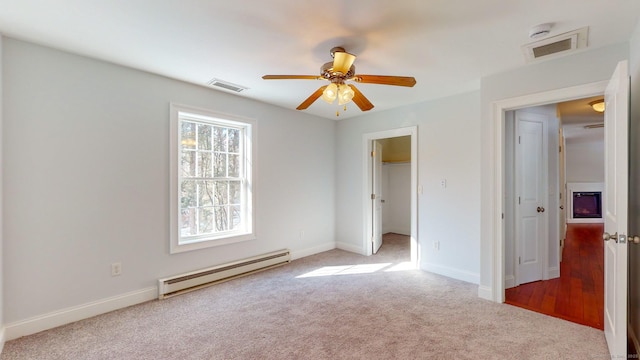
(497, 112)
(368, 183)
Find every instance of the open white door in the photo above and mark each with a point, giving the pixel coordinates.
(616, 129)
(376, 195)
(562, 189)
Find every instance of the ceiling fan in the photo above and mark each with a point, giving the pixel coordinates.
(338, 72)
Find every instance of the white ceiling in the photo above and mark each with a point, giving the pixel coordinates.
(575, 114)
(447, 45)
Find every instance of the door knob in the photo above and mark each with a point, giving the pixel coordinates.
(606, 237)
(540, 209)
(634, 239)
(561, 207)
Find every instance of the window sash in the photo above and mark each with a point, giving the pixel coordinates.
(216, 225)
(234, 211)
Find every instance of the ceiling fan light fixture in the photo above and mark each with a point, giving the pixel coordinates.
(330, 93)
(342, 60)
(345, 94)
(597, 105)
(337, 72)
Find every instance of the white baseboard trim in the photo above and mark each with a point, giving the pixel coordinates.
(76, 313)
(2, 340)
(467, 276)
(297, 254)
(398, 230)
(350, 248)
(586, 221)
(554, 272)
(484, 292)
(509, 281)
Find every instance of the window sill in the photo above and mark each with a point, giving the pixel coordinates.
(177, 248)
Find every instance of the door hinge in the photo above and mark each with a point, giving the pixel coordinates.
(519, 139)
(518, 200)
(373, 196)
(519, 260)
(503, 215)
(373, 154)
(559, 148)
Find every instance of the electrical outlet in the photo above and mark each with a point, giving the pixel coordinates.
(443, 183)
(116, 269)
(436, 245)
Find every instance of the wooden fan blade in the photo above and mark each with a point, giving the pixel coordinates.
(292, 77)
(310, 100)
(408, 81)
(342, 61)
(363, 103)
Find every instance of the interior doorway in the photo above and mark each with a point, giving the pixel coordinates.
(398, 166)
(392, 190)
(575, 293)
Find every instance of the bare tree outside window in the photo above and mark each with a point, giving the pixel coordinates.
(211, 178)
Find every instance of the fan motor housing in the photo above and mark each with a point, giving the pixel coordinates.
(326, 71)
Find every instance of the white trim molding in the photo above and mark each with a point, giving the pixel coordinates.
(300, 253)
(484, 292)
(453, 273)
(351, 248)
(2, 338)
(77, 313)
(509, 281)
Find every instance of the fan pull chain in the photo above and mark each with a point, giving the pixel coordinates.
(343, 109)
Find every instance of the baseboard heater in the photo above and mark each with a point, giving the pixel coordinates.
(206, 277)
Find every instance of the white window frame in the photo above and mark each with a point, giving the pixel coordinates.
(177, 243)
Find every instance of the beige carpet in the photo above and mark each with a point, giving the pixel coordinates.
(334, 305)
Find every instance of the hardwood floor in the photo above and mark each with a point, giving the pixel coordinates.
(578, 294)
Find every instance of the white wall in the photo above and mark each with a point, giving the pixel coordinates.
(86, 167)
(396, 210)
(585, 160)
(634, 189)
(448, 148)
(582, 68)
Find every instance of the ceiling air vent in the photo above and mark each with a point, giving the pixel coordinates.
(558, 45)
(226, 85)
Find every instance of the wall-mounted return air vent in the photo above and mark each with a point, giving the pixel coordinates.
(558, 45)
(226, 85)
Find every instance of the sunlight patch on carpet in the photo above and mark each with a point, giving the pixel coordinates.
(354, 269)
(403, 266)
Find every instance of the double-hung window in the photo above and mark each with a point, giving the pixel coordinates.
(211, 182)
